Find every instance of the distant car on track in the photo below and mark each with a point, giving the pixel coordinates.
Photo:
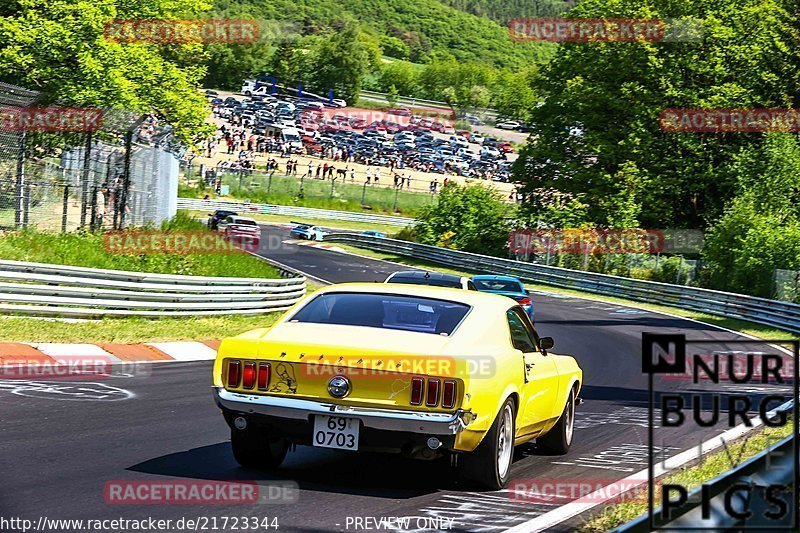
(507, 286)
(373, 233)
(307, 231)
(366, 367)
(241, 230)
(219, 215)
(435, 279)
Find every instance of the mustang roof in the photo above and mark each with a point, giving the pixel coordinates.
(476, 299)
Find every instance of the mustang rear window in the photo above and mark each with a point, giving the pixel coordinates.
(388, 311)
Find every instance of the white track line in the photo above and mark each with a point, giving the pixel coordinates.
(186, 351)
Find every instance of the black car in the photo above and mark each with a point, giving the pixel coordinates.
(436, 279)
(219, 214)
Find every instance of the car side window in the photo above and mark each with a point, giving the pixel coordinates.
(471, 286)
(520, 336)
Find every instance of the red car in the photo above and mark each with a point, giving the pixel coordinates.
(505, 147)
(243, 232)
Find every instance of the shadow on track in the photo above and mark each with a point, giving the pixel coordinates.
(379, 475)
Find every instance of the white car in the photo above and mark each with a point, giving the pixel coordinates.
(459, 142)
(508, 125)
(490, 151)
(476, 138)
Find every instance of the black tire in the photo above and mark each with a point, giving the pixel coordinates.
(558, 440)
(486, 466)
(253, 449)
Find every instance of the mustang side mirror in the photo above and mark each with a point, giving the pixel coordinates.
(546, 343)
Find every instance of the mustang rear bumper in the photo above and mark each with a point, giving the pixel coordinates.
(382, 419)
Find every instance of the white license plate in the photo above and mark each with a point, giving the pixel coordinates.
(336, 432)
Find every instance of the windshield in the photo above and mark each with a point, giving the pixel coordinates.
(387, 311)
(503, 285)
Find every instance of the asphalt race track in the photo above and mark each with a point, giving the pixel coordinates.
(59, 449)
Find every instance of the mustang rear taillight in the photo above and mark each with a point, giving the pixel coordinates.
(432, 399)
(524, 301)
(449, 394)
(234, 373)
(249, 375)
(263, 376)
(416, 390)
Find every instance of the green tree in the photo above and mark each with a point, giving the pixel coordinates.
(59, 47)
(402, 75)
(341, 61)
(229, 64)
(760, 230)
(392, 96)
(601, 104)
(473, 218)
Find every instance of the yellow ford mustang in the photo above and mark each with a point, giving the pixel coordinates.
(421, 370)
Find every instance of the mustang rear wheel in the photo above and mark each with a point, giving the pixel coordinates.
(490, 464)
(255, 449)
(558, 440)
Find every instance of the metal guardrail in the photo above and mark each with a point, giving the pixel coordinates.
(779, 314)
(773, 466)
(197, 204)
(68, 291)
(410, 100)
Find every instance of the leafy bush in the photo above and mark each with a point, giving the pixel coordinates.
(472, 218)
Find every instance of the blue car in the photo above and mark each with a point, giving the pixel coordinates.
(507, 286)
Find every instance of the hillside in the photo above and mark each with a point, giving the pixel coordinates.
(427, 28)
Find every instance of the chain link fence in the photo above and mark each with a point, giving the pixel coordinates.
(56, 176)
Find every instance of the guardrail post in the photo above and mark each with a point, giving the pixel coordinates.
(126, 179)
(85, 177)
(64, 207)
(20, 179)
(26, 205)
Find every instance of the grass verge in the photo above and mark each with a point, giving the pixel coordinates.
(88, 250)
(131, 330)
(324, 222)
(690, 477)
(747, 328)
